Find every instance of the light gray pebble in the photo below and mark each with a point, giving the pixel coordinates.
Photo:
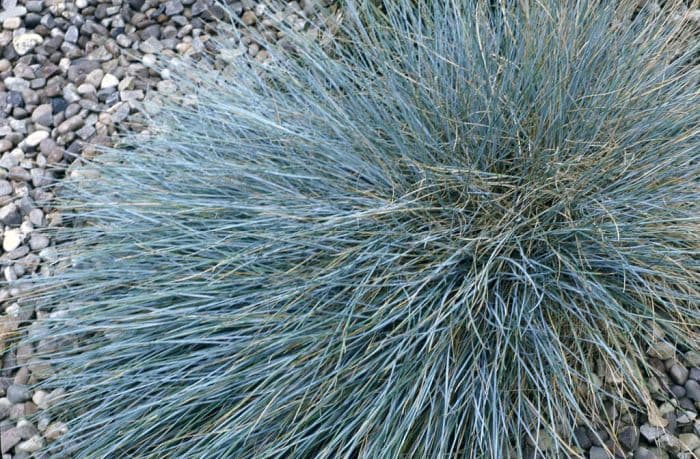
(71, 124)
(8, 439)
(38, 241)
(5, 406)
(48, 254)
(71, 35)
(32, 445)
(12, 23)
(151, 46)
(16, 84)
(43, 114)
(19, 173)
(35, 138)
(109, 81)
(36, 217)
(19, 252)
(41, 177)
(166, 87)
(5, 188)
(85, 132)
(173, 7)
(26, 429)
(17, 393)
(5, 145)
(95, 77)
(650, 433)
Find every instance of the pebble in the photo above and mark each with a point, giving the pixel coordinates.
(32, 445)
(644, 453)
(17, 393)
(35, 138)
(9, 215)
(12, 23)
(38, 241)
(43, 115)
(5, 407)
(689, 441)
(26, 429)
(71, 35)
(8, 439)
(597, 452)
(5, 188)
(679, 373)
(249, 18)
(692, 389)
(5, 145)
(650, 433)
(629, 437)
(55, 430)
(71, 124)
(109, 81)
(26, 42)
(173, 7)
(166, 87)
(16, 84)
(11, 240)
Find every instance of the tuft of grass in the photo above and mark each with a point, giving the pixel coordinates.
(422, 239)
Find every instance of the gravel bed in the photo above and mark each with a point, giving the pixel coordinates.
(72, 74)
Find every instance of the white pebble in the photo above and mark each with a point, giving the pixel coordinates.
(32, 445)
(35, 138)
(109, 81)
(12, 240)
(26, 42)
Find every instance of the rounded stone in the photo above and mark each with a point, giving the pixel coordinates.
(35, 138)
(11, 240)
(43, 114)
(26, 42)
(18, 393)
(109, 81)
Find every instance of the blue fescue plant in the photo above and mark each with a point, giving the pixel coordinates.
(421, 239)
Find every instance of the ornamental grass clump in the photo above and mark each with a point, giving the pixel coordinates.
(427, 237)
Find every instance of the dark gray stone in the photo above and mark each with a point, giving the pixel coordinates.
(679, 373)
(629, 438)
(81, 67)
(9, 215)
(597, 452)
(692, 389)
